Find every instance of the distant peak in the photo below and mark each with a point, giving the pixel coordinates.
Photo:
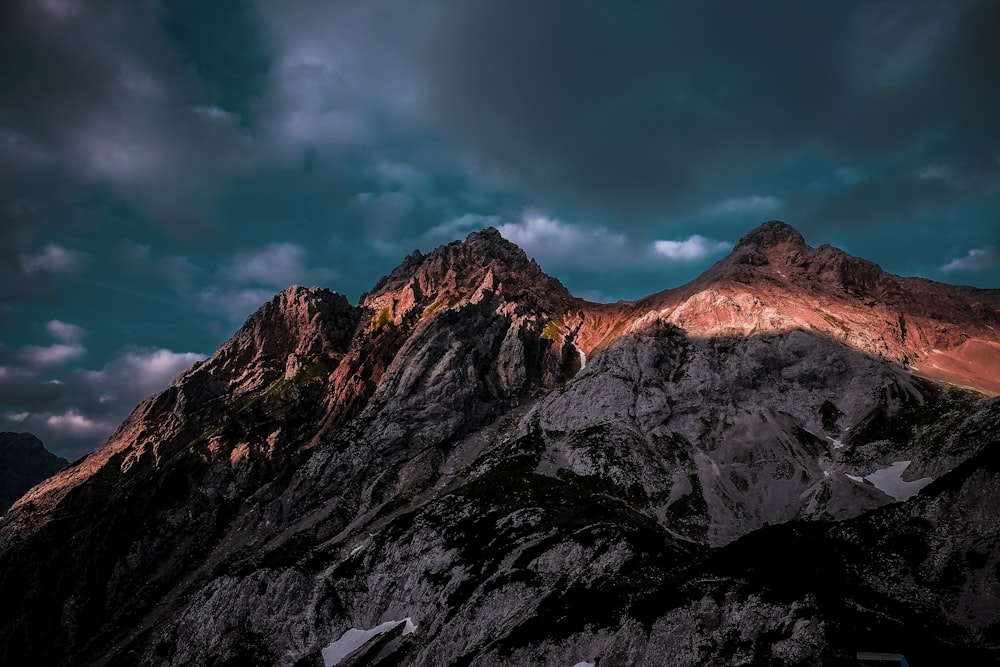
(770, 234)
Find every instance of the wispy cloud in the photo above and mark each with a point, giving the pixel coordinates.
(976, 259)
(692, 248)
(461, 226)
(234, 303)
(75, 425)
(37, 356)
(754, 204)
(64, 331)
(277, 265)
(74, 410)
(934, 172)
(851, 175)
(143, 371)
(55, 259)
(137, 257)
(548, 238)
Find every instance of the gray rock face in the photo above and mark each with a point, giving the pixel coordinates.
(530, 479)
(24, 462)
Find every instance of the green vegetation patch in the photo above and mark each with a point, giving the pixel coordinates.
(444, 303)
(835, 322)
(554, 329)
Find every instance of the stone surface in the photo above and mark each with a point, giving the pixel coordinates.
(535, 479)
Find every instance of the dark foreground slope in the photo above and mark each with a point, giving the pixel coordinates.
(533, 479)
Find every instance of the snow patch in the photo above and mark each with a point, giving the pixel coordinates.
(354, 639)
(857, 478)
(837, 444)
(890, 481)
(584, 664)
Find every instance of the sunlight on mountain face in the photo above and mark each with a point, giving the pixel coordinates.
(734, 471)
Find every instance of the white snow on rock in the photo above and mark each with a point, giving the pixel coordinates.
(890, 481)
(584, 664)
(354, 639)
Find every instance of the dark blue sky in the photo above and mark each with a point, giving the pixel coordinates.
(165, 167)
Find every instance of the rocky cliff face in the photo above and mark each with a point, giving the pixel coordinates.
(24, 462)
(762, 466)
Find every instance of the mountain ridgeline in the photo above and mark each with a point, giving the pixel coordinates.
(788, 460)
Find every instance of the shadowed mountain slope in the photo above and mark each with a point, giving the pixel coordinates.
(534, 479)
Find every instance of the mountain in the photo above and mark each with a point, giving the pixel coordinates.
(24, 462)
(788, 460)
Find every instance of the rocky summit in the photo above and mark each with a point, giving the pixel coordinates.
(787, 461)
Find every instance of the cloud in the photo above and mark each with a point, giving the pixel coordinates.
(55, 259)
(277, 265)
(326, 78)
(140, 372)
(54, 355)
(977, 259)
(461, 226)
(35, 357)
(139, 258)
(692, 248)
(76, 410)
(75, 425)
(14, 373)
(61, 9)
(64, 332)
(934, 172)
(397, 175)
(234, 303)
(21, 147)
(851, 175)
(549, 239)
(753, 205)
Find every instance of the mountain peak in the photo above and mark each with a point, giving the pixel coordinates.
(460, 270)
(770, 234)
(489, 234)
(488, 243)
(772, 242)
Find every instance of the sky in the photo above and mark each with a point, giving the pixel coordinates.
(166, 167)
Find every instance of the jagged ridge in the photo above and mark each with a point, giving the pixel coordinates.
(524, 473)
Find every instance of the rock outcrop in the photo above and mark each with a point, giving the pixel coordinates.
(779, 462)
(24, 462)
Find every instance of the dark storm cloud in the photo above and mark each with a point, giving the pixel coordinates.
(98, 95)
(639, 107)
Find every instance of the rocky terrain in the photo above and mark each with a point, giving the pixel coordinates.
(24, 462)
(790, 459)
